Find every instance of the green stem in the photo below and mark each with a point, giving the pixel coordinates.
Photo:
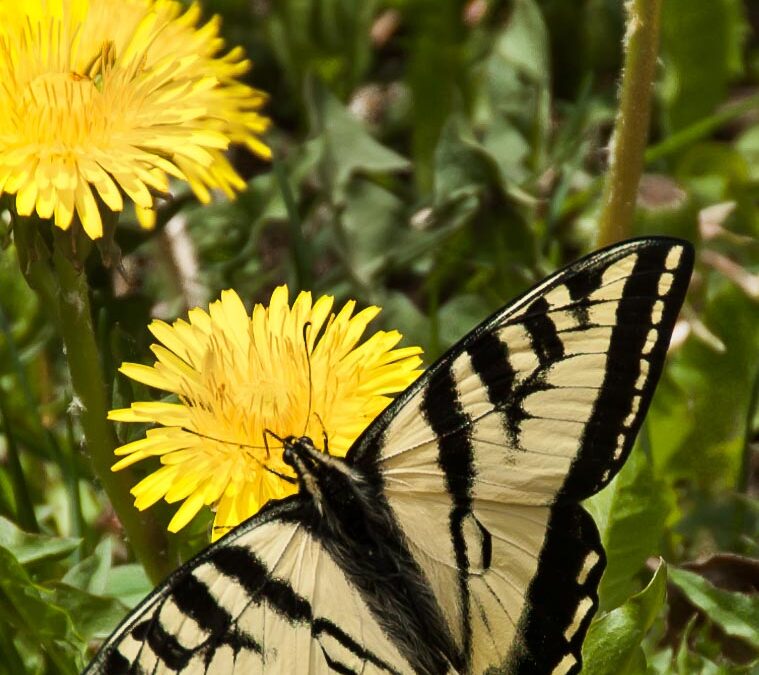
(628, 142)
(147, 539)
(745, 471)
(12, 659)
(24, 506)
(76, 515)
(300, 248)
(701, 129)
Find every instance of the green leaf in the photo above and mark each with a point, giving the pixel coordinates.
(735, 613)
(462, 165)
(709, 34)
(328, 37)
(435, 76)
(631, 513)
(684, 448)
(691, 659)
(748, 145)
(372, 222)
(346, 146)
(29, 548)
(93, 616)
(128, 583)
(460, 314)
(613, 643)
(524, 42)
(517, 93)
(91, 573)
(30, 610)
(398, 310)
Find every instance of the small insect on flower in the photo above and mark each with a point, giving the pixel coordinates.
(291, 371)
(101, 99)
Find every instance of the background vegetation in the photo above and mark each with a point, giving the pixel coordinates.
(436, 157)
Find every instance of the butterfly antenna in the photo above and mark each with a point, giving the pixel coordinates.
(306, 326)
(266, 444)
(208, 437)
(324, 433)
(274, 436)
(288, 479)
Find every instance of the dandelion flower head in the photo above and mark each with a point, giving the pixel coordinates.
(292, 370)
(102, 99)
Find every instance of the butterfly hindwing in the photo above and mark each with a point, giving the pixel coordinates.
(497, 442)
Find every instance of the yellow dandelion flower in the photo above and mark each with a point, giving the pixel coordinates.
(101, 99)
(290, 370)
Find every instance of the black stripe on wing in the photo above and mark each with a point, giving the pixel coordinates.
(543, 334)
(442, 408)
(490, 360)
(562, 597)
(593, 468)
(242, 565)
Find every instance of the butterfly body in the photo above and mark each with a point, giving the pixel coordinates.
(451, 539)
(355, 525)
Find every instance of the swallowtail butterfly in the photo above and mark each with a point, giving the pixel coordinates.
(451, 538)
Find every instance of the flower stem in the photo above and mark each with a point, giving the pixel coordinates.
(147, 539)
(628, 142)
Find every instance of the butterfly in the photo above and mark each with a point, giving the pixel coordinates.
(451, 538)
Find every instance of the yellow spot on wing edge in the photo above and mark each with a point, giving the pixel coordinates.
(564, 665)
(585, 605)
(587, 566)
(673, 257)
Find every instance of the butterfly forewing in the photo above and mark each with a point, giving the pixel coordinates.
(484, 459)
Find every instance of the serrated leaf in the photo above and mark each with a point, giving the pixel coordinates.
(735, 613)
(631, 514)
(347, 147)
(28, 548)
(613, 643)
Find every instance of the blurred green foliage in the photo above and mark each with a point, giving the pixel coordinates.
(441, 156)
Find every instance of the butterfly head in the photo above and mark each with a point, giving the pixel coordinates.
(323, 477)
(299, 452)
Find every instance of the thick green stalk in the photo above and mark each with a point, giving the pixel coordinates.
(628, 143)
(147, 538)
